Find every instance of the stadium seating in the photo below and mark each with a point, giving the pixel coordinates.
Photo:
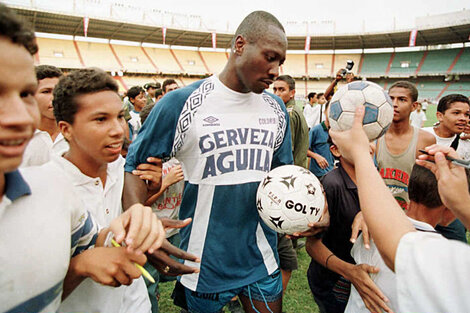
(319, 65)
(438, 61)
(98, 55)
(405, 64)
(463, 64)
(375, 64)
(191, 62)
(215, 61)
(294, 65)
(60, 53)
(341, 59)
(164, 60)
(134, 59)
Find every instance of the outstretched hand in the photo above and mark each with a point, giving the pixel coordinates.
(360, 225)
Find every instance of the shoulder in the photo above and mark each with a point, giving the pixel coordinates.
(333, 180)
(179, 96)
(425, 138)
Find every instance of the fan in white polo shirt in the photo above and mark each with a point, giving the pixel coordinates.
(47, 138)
(42, 225)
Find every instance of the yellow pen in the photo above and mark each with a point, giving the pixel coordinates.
(143, 270)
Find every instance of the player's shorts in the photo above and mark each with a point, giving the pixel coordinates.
(287, 254)
(268, 289)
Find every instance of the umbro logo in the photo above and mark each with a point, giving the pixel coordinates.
(211, 121)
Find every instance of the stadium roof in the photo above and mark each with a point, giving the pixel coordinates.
(73, 25)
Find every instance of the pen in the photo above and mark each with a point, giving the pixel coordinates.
(143, 270)
(458, 162)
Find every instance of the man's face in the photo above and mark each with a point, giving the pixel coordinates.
(455, 118)
(97, 133)
(403, 104)
(281, 89)
(257, 64)
(139, 101)
(19, 114)
(322, 100)
(151, 91)
(313, 100)
(44, 97)
(171, 87)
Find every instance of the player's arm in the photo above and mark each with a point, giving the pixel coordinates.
(333, 84)
(386, 221)
(321, 161)
(358, 274)
(425, 139)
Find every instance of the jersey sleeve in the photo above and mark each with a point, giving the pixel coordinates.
(156, 136)
(85, 230)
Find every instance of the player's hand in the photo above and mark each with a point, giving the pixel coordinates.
(108, 266)
(139, 228)
(359, 224)
(352, 143)
(339, 74)
(315, 228)
(151, 172)
(451, 179)
(175, 175)
(162, 261)
(321, 161)
(172, 223)
(372, 296)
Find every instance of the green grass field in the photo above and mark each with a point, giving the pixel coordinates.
(298, 297)
(431, 115)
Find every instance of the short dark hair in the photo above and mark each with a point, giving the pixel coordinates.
(77, 83)
(422, 187)
(407, 85)
(144, 113)
(134, 91)
(446, 101)
(288, 80)
(311, 95)
(48, 71)
(166, 82)
(158, 92)
(16, 30)
(320, 94)
(254, 25)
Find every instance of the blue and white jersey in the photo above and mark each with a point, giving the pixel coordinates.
(226, 142)
(42, 224)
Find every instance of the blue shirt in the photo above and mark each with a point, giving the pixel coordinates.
(226, 142)
(318, 137)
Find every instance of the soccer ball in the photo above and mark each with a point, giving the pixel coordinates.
(289, 198)
(378, 108)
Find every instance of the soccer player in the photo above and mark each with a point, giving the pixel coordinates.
(227, 132)
(418, 117)
(47, 138)
(425, 211)
(40, 230)
(136, 96)
(438, 266)
(453, 116)
(398, 148)
(312, 110)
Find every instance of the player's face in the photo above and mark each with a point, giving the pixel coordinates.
(455, 118)
(258, 63)
(403, 104)
(140, 101)
(322, 100)
(19, 114)
(281, 89)
(44, 97)
(97, 133)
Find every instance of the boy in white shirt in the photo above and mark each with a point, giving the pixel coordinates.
(137, 97)
(41, 230)
(418, 117)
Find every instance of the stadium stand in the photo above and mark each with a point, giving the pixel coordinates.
(98, 55)
(438, 61)
(319, 65)
(405, 64)
(133, 59)
(294, 65)
(215, 61)
(190, 61)
(164, 60)
(341, 59)
(375, 64)
(57, 52)
(462, 66)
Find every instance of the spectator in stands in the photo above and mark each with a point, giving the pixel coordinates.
(322, 161)
(398, 149)
(312, 110)
(169, 85)
(151, 89)
(136, 96)
(418, 117)
(47, 138)
(453, 116)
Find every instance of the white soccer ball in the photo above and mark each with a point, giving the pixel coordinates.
(289, 198)
(378, 108)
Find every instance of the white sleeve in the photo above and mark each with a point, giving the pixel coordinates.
(432, 274)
